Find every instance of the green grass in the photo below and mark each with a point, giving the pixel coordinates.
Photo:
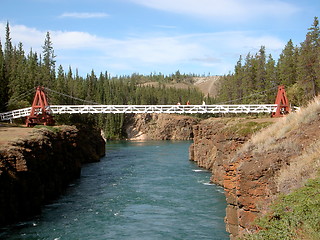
(50, 128)
(246, 128)
(293, 216)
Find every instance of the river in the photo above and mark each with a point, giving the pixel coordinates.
(138, 191)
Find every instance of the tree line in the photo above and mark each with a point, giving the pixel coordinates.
(256, 77)
(254, 80)
(20, 73)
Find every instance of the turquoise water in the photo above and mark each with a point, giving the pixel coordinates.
(140, 190)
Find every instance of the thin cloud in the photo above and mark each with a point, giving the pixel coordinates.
(83, 15)
(87, 51)
(207, 60)
(166, 26)
(226, 10)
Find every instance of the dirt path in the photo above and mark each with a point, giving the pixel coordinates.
(11, 133)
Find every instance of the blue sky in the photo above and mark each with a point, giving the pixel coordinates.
(146, 36)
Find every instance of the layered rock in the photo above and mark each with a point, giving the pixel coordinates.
(275, 161)
(37, 169)
(160, 127)
(216, 140)
(216, 143)
(255, 170)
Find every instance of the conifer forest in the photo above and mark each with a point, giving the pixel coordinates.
(254, 80)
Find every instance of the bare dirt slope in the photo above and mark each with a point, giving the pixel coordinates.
(10, 133)
(207, 85)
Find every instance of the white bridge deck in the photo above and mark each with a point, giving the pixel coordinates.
(180, 109)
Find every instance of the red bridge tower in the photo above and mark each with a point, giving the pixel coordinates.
(283, 106)
(40, 110)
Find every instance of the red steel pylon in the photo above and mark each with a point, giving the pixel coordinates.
(40, 110)
(283, 106)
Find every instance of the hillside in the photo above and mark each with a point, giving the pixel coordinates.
(206, 85)
(274, 162)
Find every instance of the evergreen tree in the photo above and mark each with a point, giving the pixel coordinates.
(8, 45)
(48, 62)
(3, 82)
(272, 80)
(261, 80)
(60, 86)
(287, 65)
(8, 52)
(308, 62)
(33, 78)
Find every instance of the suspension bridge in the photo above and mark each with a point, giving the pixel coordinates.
(42, 112)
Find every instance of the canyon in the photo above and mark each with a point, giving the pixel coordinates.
(255, 159)
(37, 167)
(258, 160)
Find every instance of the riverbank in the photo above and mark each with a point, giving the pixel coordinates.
(36, 166)
(257, 163)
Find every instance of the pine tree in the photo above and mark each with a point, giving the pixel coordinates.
(3, 82)
(308, 62)
(239, 79)
(33, 78)
(287, 65)
(261, 80)
(272, 80)
(8, 53)
(48, 62)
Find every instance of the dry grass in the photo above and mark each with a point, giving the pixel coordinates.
(269, 139)
(10, 134)
(300, 169)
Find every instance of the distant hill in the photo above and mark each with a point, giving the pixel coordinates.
(207, 85)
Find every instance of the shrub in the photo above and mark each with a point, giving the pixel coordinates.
(293, 216)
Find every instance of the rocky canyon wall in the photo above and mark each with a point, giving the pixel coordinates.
(160, 127)
(255, 169)
(215, 141)
(215, 145)
(37, 169)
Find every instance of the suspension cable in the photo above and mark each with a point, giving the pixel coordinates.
(22, 95)
(253, 94)
(75, 98)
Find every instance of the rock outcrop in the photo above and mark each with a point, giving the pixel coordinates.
(216, 140)
(215, 144)
(37, 169)
(255, 170)
(275, 161)
(160, 127)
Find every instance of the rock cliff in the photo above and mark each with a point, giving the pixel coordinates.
(37, 169)
(255, 169)
(275, 161)
(216, 140)
(160, 127)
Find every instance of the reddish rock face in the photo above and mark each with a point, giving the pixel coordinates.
(38, 168)
(160, 127)
(276, 160)
(215, 148)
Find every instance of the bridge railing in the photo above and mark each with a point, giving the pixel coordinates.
(191, 109)
(15, 114)
(178, 109)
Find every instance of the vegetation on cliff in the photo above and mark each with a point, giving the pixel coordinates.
(293, 216)
(293, 149)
